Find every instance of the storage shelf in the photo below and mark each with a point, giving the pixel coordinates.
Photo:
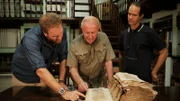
(7, 50)
(33, 1)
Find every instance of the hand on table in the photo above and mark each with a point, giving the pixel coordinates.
(72, 95)
(83, 87)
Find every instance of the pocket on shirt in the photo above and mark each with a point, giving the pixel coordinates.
(101, 53)
(82, 58)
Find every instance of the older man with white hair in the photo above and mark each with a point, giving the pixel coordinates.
(90, 56)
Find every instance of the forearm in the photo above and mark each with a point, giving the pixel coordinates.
(48, 79)
(121, 60)
(75, 75)
(62, 70)
(109, 69)
(158, 64)
(160, 60)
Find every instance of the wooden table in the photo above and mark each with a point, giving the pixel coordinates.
(17, 93)
(45, 94)
(167, 93)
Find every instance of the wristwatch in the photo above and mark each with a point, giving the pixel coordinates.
(61, 91)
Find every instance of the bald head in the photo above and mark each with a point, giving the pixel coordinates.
(91, 20)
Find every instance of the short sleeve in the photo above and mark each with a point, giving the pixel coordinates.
(32, 51)
(71, 59)
(155, 41)
(110, 52)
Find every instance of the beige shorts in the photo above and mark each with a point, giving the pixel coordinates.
(16, 82)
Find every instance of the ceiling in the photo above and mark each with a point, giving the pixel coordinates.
(152, 6)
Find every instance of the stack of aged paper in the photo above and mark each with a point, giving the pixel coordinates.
(98, 94)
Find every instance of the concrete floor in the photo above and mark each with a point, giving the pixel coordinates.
(5, 81)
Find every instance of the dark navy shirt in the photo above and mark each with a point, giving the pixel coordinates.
(138, 46)
(35, 51)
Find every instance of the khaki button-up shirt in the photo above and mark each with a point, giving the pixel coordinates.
(90, 58)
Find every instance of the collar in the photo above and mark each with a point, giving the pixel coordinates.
(138, 29)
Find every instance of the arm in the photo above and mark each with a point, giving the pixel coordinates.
(121, 60)
(62, 69)
(161, 58)
(121, 49)
(82, 86)
(49, 80)
(109, 69)
(62, 73)
(62, 56)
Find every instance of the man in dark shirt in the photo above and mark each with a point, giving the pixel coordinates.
(36, 52)
(137, 44)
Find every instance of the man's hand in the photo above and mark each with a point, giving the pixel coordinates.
(109, 84)
(154, 76)
(83, 87)
(72, 95)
